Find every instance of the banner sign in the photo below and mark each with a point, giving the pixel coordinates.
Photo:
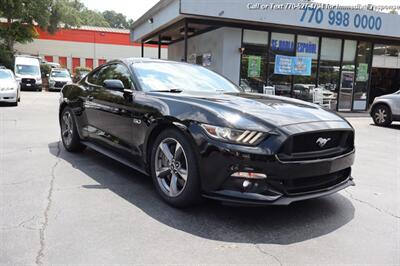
(292, 65)
(254, 66)
(362, 73)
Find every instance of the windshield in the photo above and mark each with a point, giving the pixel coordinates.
(60, 74)
(5, 75)
(181, 77)
(27, 70)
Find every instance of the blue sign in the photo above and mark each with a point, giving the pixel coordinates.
(293, 65)
(282, 45)
(307, 48)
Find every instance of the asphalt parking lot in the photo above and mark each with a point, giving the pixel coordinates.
(61, 208)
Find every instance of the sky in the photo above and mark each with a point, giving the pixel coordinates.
(135, 8)
(130, 8)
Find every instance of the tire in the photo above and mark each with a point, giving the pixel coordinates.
(69, 133)
(185, 193)
(382, 115)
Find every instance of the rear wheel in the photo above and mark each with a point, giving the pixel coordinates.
(69, 132)
(382, 115)
(174, 169)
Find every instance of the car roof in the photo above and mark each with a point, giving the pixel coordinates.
(58, 69)
(136, 60)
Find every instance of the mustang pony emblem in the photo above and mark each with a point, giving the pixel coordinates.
(322, 142)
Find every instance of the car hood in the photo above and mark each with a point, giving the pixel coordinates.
(273, 110)
(19, 76)
(8, 84)
(62, 79)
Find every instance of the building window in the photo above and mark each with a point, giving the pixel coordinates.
(254, 60)
(385, 77)
(281, 44)
(304, 86)
(329, 72)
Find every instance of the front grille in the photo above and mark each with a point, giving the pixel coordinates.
(59, 84)
(312, 184)
(28, 81)
(317, 145)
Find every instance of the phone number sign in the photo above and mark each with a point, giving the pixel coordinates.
(341, 19)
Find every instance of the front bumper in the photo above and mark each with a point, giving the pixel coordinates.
(246, 198)
(29, 86)
(8, 96)
(286, 182)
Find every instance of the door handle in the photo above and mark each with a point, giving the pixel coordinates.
(89, 98)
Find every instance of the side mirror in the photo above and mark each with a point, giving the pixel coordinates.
(114, 84)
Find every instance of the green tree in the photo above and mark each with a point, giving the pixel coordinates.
(93, 18)
(393, 12)
(116, 20)
(20, 16)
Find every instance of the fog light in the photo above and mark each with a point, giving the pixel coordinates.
(249, 175)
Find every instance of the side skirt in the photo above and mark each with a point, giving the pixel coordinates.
(113, 156)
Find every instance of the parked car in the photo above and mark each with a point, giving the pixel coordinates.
(386, 109)
(9, 87)
(197, 134)
(59, 77)
(27, 72)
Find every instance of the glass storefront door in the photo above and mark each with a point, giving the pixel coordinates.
(346, 88)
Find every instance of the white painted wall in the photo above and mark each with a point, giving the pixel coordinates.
(85, 50)
(223, 44)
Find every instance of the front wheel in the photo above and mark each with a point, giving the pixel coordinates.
(381, 115)
(174, 169)
(69, 132)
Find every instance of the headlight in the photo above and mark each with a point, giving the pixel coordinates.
(234, 135)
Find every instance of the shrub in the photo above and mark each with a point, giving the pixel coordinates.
(6, 57)
(45, 70)
(78, 70)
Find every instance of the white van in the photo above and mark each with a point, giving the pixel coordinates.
(27, 72)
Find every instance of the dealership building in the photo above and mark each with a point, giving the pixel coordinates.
(86, 46)
(338, 57)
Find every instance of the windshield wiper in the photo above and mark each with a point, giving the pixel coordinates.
(171, 90)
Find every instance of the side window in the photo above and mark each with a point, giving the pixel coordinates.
(115, 71)
(122, 73)
(94, 77)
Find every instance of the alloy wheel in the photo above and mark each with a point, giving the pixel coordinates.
(171, 167)
(381, 115)
(66, 128)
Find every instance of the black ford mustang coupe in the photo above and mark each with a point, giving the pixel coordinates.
(197, 134)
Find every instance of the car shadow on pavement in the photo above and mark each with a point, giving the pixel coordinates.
(212, 220)
(392, 126)
(6, 105)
